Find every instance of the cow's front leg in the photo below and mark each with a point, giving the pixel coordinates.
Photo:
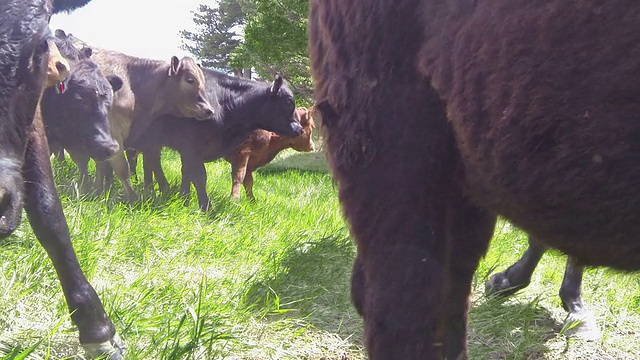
(44, 210)
(82, 161)
(199, 179)
(154, 160)
(121, 167)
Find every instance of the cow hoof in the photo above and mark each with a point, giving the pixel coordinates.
(114, 349)
(499, 285)
(582, 325)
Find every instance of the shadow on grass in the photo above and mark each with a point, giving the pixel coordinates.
(312, 283)
(308, 161)
(505, 329)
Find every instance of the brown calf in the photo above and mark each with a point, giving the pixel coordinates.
(261, 147)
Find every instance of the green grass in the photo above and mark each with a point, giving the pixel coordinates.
(265, 280)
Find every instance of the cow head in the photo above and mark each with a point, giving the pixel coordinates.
(76, 119)
(188, 95)
(278, 110)
(304, 142)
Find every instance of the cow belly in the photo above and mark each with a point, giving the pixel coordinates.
(575, 190)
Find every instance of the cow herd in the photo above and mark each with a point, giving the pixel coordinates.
(438, 116)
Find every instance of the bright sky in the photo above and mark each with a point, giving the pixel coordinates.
(142, 28)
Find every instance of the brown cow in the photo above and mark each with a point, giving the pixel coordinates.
(261, 147)
(150, 88)
(439, 116)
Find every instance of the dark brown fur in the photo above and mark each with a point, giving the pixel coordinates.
(440, 115)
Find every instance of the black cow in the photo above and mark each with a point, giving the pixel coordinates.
(246, 105)
(26, 179)
(77, 119)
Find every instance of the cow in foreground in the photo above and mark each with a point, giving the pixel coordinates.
(261, 147)
(439, 116)
(150, 88)
(246, 105)
(26, 178)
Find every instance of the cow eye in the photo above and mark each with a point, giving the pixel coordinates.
(190, 80)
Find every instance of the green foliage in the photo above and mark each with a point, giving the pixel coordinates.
(216, 37)
(274, 41)
(266, 279)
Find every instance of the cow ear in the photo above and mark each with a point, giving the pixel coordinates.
(87, 52)
(277, 84)
(60, 34)
(175, 65)
(115, 81)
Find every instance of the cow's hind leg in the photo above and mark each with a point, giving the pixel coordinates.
(194, 171)
(580, 322)
(518, 275)
(248, 184)
(44, 210)
(238, 173)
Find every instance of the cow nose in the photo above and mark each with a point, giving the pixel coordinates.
(296, 129)
(106, 149)
(63, 69)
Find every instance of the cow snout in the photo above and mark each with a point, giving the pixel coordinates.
(106, 148)
(205, 114)
(296, 129)
(63, 69)
(58, 71)
(10, 204)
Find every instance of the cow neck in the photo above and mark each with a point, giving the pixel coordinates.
(149, 80)
(242, 110)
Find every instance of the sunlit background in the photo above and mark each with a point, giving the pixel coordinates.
(142, 28)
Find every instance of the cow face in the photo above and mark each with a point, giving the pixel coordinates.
(77, 118)
(304, 142)
(277, 112)
(188, 93)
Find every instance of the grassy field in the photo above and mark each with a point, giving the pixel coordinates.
(266, 280)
